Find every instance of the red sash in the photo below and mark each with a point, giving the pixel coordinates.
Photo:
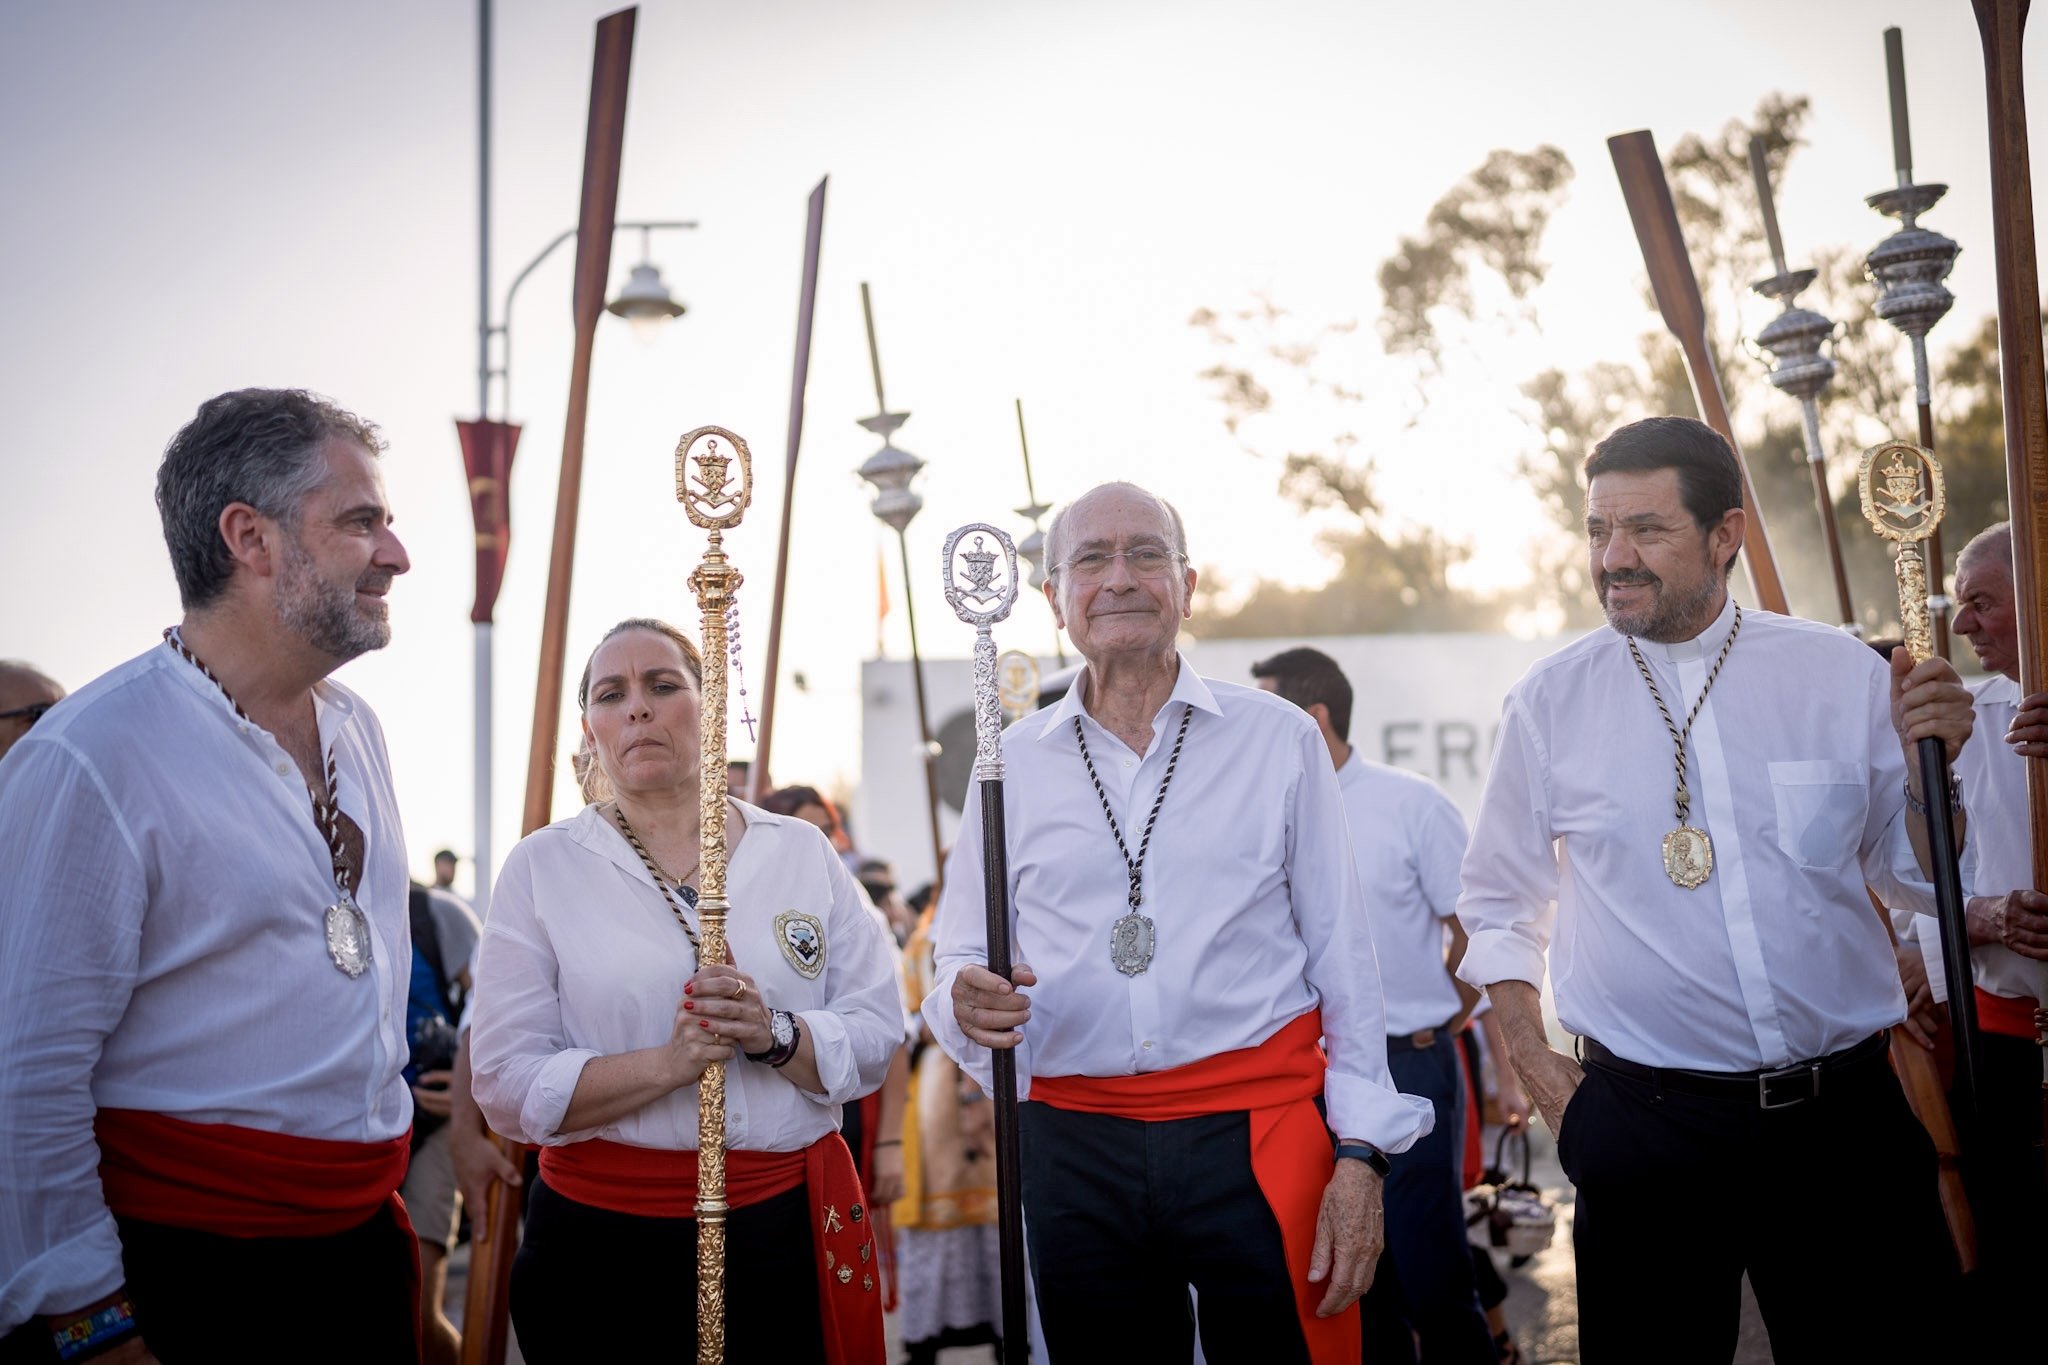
(1291, 1153)
(2003, 1014)
(245, 1182)
(653, 1182)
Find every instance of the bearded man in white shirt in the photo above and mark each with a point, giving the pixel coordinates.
(1185, 895)
(204, 952)
(1409, 839)
(2008, 923)
(1735, 1112)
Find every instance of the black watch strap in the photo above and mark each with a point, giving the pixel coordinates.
(1366, 1152)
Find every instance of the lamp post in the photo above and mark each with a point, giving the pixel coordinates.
(890, 470)
(488, 445)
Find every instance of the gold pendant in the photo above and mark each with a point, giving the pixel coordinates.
(1688, 856)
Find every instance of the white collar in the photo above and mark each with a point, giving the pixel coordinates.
(1187, 687)
(1706, 644)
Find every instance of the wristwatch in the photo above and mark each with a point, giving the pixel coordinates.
(1366, 1152)
(783, 1028)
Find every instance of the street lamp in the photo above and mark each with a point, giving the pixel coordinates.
(890, 470)
(487, 449)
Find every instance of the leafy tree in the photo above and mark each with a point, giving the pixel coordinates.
(1475, 267)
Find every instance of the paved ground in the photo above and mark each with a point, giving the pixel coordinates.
(1542, 1307)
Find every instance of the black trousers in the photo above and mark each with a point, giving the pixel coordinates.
(589, 1284)
(2008, 1189)
(1423, 1293)
(1122, 1215)
(1830, 1205)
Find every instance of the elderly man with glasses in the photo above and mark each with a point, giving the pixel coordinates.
(1186, 897)
(26, 692)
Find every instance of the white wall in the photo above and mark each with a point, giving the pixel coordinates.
(1429, 703)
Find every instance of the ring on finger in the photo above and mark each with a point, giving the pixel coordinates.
(741, 992)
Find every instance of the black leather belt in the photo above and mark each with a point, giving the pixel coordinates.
(1777, 1088)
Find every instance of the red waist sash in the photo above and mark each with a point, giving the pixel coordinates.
(653, 1182)
(1277, 1081)
(2006, 1015)
(243, 1182)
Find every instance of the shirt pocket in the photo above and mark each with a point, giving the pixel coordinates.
(1821, 804)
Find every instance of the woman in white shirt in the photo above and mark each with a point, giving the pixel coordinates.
(594, 1021)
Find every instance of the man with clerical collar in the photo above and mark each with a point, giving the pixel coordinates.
(1690, 804)
(1409, 839)
(1186, 899)
(204, 953)
(2008, 923)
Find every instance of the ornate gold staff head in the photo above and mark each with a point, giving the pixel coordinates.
(1903, 500)
(711, 495)
(981, 586)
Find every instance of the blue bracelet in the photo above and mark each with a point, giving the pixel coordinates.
(1366, 1152)
(90, 1334)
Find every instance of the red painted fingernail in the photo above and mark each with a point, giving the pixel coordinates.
(689, 1004)
(703, 1023)
(689, 990)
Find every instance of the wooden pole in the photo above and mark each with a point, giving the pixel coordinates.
(806, 308)
(1685, 315)
(490, 1273)
(2001, 25)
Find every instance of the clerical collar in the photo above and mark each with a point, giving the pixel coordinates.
(1707, 643)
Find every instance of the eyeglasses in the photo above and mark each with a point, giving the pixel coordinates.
(1147, 561)
(29, 714)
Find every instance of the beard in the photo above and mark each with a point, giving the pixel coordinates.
(325, 614)
(1672, 615)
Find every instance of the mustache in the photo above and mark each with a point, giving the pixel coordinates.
(1641, 577)
(375, 582)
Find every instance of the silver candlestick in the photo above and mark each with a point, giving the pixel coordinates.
(1794, 339)
(1909, 268)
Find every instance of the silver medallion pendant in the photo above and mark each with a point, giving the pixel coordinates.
(1688, 857)
(1130, 943)
(348, 938)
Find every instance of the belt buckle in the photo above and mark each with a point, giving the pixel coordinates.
(1423, 1040)
(1764, 1079)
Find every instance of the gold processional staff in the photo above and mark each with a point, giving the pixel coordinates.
(714, 501)
(1903, 500)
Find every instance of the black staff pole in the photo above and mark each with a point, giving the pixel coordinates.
(981, 585)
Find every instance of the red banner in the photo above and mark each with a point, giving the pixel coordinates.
(487, 449)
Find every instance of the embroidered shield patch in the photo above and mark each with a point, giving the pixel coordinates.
(802, 940)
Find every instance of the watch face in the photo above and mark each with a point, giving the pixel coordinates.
(783, 1027)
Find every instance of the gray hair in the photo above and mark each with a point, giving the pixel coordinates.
(1055, 534)
(261, 447)
(1994, 541)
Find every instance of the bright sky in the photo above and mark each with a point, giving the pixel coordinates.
(208, 197)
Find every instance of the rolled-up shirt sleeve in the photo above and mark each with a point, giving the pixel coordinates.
(72, 899)
(524, 1071)
(1330, 912)
(853, 1038)
(960, 939)
(1508, 900)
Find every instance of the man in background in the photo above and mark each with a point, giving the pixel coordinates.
(1408, 839)
(26, 693)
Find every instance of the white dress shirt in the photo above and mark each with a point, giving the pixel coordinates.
(1797, 778)
(1250, 884)
(1994, 784)
(162, 947)
(583, 958)
(1409, 839)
